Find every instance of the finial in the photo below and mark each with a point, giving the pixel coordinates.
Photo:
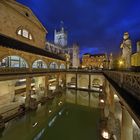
(62, 25)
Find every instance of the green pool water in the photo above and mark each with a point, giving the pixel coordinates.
(57, 120)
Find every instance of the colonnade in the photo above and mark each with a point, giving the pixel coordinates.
(85, 81)
(60, 79)
(126, 125)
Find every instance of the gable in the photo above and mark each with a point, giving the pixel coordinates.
(25, 11)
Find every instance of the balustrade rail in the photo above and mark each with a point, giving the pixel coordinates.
(13, 70)
(27, 70)
(6, 70)
(130, 81)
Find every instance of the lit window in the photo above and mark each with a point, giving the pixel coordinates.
(25, 33)
(30, 37)
(19, 32)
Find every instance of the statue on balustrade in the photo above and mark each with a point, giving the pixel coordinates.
(126, 47)
(111, 61)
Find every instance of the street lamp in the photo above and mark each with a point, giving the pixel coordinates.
(121, 63)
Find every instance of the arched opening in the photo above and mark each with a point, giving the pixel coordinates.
(14, 62)
(39, 64)
(96, 82)
(96, 85)
(53, 65)
(25, 33)
(62, 66)
(83, 83)
(73, 80)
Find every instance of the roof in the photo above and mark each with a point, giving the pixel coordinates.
(22, 9)
(15, 44)
(102, 54)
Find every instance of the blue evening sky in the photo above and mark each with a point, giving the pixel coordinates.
(97, 25)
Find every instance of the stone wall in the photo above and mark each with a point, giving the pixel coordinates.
(14, 16)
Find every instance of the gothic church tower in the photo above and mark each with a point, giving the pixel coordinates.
(60, 37)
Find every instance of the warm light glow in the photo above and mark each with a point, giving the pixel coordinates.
(120, 62)
(22, 80)
(105, 135)
(59, 103)
(52, 87)
(102, 101)
(50, 111)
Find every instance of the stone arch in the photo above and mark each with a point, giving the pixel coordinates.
(39, 64)
(73, 80)
(96, 82)
(83, 82)
(53, 65)
(14, 61)
(62, 66)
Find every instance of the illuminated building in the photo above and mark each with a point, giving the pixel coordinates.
(23, 55)
(95, 61)
(135, 58)
(61, 47)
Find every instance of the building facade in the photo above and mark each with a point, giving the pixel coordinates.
(135, 58)
(60, 37)
(23, 58)
(96, 61)
(59, 46)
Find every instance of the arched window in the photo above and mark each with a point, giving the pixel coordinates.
(53, 65)
(25, 33)
(39, 64)
(62, 66)
(14, 62)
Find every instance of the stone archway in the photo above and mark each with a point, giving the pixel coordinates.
(53, 65)
(14, 61)
(39, 64)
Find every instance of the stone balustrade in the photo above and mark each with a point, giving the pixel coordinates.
(130, 81)
(8, 70)
(13, 70)
(27, 70)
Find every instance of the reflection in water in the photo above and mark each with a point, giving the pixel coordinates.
(84, 98)
(50, 120)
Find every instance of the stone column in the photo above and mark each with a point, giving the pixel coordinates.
(127, 127)
(64, 78)
(89, 97)
(11, 87)
(89, 87)
(46, 85)
(112, 104)
(57, 80)
(28, 91)
(76, 81)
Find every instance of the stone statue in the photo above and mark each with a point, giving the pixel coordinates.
(111, 61)
(126, 47)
